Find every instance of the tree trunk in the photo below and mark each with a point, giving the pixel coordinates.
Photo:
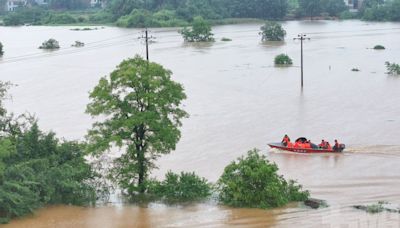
(140, 149)
(142, 171)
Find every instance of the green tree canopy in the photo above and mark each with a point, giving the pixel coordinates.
(253, 181)
(140, 109)
(200, 31)
(310, 8)
(272, 31)
(180, 187)
(283, 59)
(37, 169)
(334, 7)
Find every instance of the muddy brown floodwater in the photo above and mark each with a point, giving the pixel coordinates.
(237, 100)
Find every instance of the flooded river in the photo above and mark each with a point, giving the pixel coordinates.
(237, 100)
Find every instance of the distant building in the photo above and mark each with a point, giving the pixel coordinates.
(98, 3)
(41, 2)
(11, 5)
(354, 5)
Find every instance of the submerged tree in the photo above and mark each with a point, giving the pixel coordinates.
(139, 106)
(200, 31)
(392, 68)
(50, 44)
(272, 31)
(283, 59)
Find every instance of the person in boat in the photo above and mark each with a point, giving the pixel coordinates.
(322, 144)
(327, 146)
(285, 140)
(336, 147)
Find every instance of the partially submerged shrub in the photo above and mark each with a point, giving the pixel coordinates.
(180, 187)
(373, 208)
(78, 44)
(199, 32)
(283, 59)
(1, 49)
(50, 44)
(355, 69)
(272, 31)
(226, 39)
(379, 47)
(392, 68)
(253, 181)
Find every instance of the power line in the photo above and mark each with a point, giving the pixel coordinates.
(59, 53)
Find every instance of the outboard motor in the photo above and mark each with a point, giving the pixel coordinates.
(341, 147)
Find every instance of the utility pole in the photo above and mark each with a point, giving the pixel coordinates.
(301, 37)
(147, 38)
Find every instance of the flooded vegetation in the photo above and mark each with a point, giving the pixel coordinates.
(237, 100)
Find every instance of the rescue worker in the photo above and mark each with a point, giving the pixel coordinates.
(322, 144)
(328, 146)
(336, 147)
(285, 140)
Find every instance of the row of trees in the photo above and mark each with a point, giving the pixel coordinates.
(379, 10)
(167, 13)
(200, 31)
(176, 13)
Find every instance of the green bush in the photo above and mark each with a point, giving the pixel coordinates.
(345, 15)
(37, 169)
(102, 17)
(136, 19)
(272, 31)
(50, 44)
(253, 182)
(167, 18)
(376, 13)
(64, 18)
(1, 49)
(42, 170)
(379, 47)
(180, 188)
(283, 59)
(78, 44)
(199, 32)
(392, 68)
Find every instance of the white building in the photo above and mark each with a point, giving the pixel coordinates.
(101, 3)
(11, 5)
